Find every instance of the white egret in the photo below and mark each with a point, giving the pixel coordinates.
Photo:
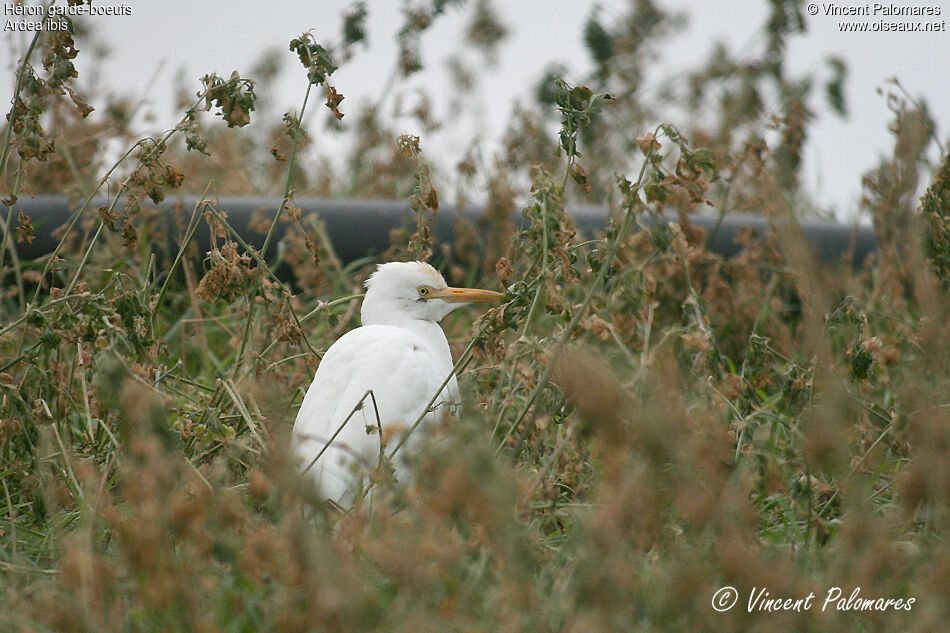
(376, 380)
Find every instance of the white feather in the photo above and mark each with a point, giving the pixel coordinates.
(401, 355)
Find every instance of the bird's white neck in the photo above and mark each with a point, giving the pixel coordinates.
(429, 333)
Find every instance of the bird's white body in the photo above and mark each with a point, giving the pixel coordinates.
(402, 367)
(381, 376)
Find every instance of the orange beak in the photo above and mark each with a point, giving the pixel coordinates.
(466, 295)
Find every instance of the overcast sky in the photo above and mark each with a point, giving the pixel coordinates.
(159, 39)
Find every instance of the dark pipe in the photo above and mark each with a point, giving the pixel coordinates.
(358, 228)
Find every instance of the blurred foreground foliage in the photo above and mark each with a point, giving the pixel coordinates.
(646, 422)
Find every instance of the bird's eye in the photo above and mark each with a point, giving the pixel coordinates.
(423, 291)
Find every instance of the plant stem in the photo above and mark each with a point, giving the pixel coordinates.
(290, 172)
(16, 95)
(551, 361)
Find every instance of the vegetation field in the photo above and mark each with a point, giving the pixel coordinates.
(645, 422)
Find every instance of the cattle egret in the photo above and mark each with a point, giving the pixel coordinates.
(376, 380)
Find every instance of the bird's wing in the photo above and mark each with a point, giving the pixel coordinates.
(401, 372)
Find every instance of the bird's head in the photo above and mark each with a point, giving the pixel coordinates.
(398, 291)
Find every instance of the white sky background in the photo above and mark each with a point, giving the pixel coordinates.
(148, 48)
